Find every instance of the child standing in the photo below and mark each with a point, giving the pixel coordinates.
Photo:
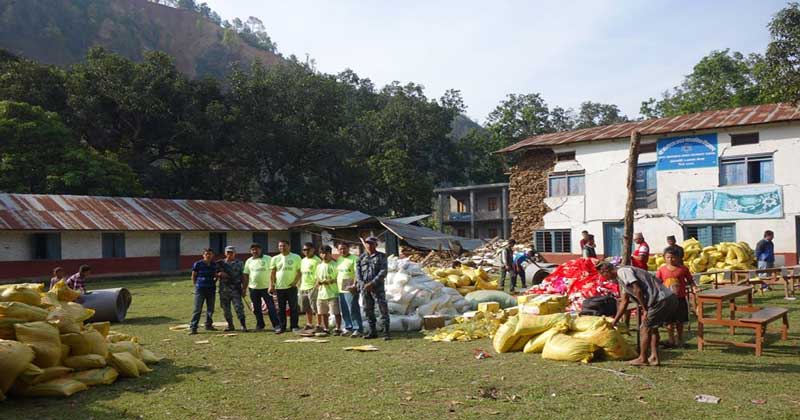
(327, 293)
(677, 277)
(58, 275)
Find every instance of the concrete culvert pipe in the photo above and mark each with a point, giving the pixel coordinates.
(109, 304)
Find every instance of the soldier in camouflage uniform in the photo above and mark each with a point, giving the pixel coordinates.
(231, 287)
(370, 274)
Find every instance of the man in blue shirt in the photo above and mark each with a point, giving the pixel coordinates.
(519, 270)
(204, 277)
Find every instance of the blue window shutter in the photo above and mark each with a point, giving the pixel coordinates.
(767, 176)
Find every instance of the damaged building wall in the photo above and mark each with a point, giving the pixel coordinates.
(527, 191)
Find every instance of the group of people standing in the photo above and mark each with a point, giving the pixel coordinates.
(319, 286)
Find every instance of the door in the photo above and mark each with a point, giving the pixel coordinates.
(612, 239)
(296, 242)
(170, 251)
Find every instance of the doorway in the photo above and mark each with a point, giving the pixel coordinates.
(612, 239)
(170, 251)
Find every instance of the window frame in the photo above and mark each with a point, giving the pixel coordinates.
(113, 242)
(647, 148)
(491, 204)
(646, 192)
(223, 242)
(461, 206)
(565, 156)
(566, 176)
(52, 251)
(566, 243)
(257, 240)
(741, 139)
(714, 235)
(746, 160)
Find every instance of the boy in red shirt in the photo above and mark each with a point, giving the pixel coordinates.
(678, 278)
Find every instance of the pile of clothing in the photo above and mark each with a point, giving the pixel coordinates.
(578, 280)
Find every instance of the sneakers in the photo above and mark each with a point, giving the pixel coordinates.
(295, 330)
(244, 329)
(229, 328)
(308, 327)
(790, 298)
(259, 329)
(371, 335)
(193, 331)
(337, 333)
(386, 337)
(211, 328)
(355, 334)
(278, 331)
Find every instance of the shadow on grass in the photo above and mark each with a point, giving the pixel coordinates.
(149, 320)
(89, 404)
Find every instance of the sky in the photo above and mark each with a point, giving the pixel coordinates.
(620, 52)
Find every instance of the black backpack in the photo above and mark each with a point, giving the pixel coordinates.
(600, 306)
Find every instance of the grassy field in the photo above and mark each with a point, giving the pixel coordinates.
(260, 376)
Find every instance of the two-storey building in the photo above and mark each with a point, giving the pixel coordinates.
(475, 211)
(725, 175)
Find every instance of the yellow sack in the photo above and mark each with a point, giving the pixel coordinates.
(545, 305)
(126, 346)
(44, 340)
(149, 357)
(61, 387)
(614, 345)
(114, 337)
(568, 349)
(536, 344)
(78, 345)
(64, 351)
(21, 293)
(21, 310)
(14, 359)
(49, 300)
(97, 343)
(77, 312)
(7, 328)
(35, 376)
(589, 323)
(125, 364)
(102, 327)
(64, 292)
(505, 337)
(537, 324)
(62, 320)
(86, 361)
(92, 377)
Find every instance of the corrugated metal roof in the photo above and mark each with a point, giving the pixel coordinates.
(71, 212)
(346, 220)
(743, 116)
(411, 219)
(427, 239)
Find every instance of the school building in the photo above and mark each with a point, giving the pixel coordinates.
(724, 175)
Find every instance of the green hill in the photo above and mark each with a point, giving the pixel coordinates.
(60, 32)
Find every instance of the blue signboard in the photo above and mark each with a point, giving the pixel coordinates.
(697, 151)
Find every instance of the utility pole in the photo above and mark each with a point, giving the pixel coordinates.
(633, 162)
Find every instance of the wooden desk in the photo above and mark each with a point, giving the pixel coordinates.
(718, 297)
(787, 274)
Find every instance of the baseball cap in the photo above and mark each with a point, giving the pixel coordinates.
(372, 239)
(230, 248)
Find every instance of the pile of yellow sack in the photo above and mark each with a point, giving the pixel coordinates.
(46, 349)
(562, 337)
(723, 256)
(473, 325)
(464, 279)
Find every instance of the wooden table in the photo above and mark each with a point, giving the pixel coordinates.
(718, 297)
(787, 274)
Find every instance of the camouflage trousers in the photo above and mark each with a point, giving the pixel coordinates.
(231, 295)
(370, 299)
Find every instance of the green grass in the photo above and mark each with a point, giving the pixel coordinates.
(259, 376)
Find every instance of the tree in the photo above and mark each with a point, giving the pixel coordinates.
(39, 155)
(519, 117)
(26, 81)
(781, 68)
(720, 80)
(593, 114)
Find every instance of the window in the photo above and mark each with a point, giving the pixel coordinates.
(46, 246)
(744, 138)
(261, 238)
(709, 235)
(113, 245)
(563, 184)
(460, 207)
(461, 232)
(646, 187)
(565, 156)
(552, 240)
(492, 232)
(746, 170)
(218, 241)
(647, 148)
(492, 203)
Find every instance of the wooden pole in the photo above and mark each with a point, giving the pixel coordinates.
(633, 162)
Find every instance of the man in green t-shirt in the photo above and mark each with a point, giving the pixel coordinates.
(257, 273)
(348, 292)
(284, 280)
(308, 284)
(328, 294)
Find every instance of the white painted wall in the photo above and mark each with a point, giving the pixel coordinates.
(76, 245)
(240, 240)
(276, 236)
(142, 244)
(193, 243)
(605, 166)
(15, 246)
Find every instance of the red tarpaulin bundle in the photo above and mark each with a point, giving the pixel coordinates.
(578, 279)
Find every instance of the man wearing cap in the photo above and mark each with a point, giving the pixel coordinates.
(231, 287)
(370, 275)
(256, 273)
(641, 253)
(672, 242)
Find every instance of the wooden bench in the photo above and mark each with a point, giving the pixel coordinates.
(759, 321)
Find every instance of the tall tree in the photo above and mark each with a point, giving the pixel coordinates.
(519, 116)
(593, 114)
(781, 69)
(720, 80)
